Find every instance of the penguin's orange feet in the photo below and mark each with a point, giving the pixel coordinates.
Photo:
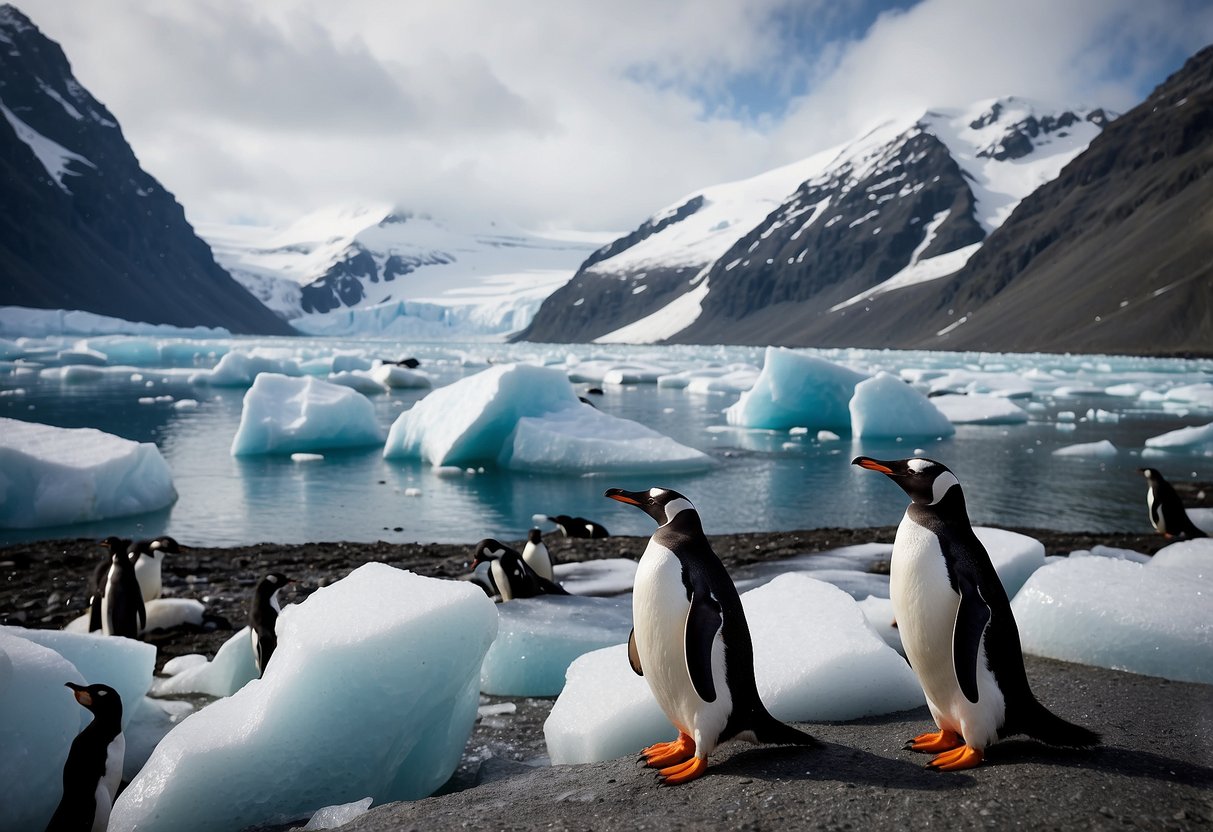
(957, 759)
(933, 743)
(678, 751)
(684, 771)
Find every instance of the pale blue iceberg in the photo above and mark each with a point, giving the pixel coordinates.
(885, 406)
(1193, 440)
(283, 415)
(796, 389)
(977, 409)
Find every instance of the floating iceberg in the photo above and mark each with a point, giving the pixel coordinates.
(372, 693)
(1102, 448)
(56, 476)
(980, 410)
(240, 369)
(358, 380)
(282, 415)
(796, 389)
(1193, 440)
(1119, 614)
(885, 406)
(528, 418)
(830, 666)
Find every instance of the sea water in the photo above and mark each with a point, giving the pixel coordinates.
(762, 480)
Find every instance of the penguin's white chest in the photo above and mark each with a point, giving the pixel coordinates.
(537, 557)
(659, 610)
(112, 581)
(147, 573)
(925, 607)
(502, 580)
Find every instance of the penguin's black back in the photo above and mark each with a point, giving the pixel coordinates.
(1169, 505)
(84, 769)
(127, 610)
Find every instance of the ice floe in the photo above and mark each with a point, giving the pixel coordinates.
(884, 405)
(796, 389)
(1192, 440)
(1103, 449)
(975, 409)
(283, 414)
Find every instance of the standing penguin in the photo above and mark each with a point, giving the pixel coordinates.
(263, 617)
(510, 573)
(149, 557)
(96, 585)
(122, 610)
(94, 764)
(1167, 513)
(579, 527)
(691, 642)
(956, 626)
(536, 555)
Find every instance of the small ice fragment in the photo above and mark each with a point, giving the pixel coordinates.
(302, 457)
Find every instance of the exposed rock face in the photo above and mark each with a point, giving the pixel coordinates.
(82, 225)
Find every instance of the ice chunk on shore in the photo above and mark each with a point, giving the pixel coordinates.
(1193, 440)
(980, 410)
(372, 693)
(830, 666)
(528, 418)
(1015, 556)
(796, 389)
(1102, 448)
(282, 415)
(1194, 557)
(538, 638)
(233, 667)
(1121, 615)
(884, 405)
(56, 476)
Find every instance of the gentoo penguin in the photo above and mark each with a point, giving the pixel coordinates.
(1167, 512)
(122, 610)
(536, 555)
(94, 764)
(149, 556)
(96, 587)
(691, 642)
(578, 527)
(263, 617)
(956, 625)
(510, 573)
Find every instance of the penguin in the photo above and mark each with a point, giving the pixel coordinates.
(578, 527)
(122, 610)
(536, 555)
(957, 628)
(1167, 513)
(691, 643)
(96, 585)
(149, 556)
(510, 573)
(263, 617)
(94, 764)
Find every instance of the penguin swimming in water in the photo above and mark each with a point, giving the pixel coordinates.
(263, 617)
(579, 527)
(96, 586)
(149, 557)
(691, 642)
(510, 573)
(536, 555)
(1167, 513)
(122, 610)
(956, 626)
(94, 764)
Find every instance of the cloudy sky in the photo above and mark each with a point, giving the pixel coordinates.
(563, 113)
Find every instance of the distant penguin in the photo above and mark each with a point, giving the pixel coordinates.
(122, 610)
(578, 527)
(263, 617)
(1167, 513)
(149, 557)
(511, 575)
(94, 764)
(536, 555)
(692, 644)
(96, 587)
(956, 626)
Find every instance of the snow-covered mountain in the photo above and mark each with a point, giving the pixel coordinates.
(759, 261)
(376, 269)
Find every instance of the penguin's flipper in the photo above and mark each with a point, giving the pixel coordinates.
(140, 613)
(634, 654)
(972, 618)
(549, 587)
(703, 623)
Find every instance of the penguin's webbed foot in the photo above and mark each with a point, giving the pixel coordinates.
(665, 754)
(684, 771)
(934, 743)
(957, 759)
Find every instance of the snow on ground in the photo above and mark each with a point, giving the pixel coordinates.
(372, 692)
(830, 666)
(55, 476)
(528, 418)
(796, 389)
(666, 322)
(1148, 618)
(885, 406)
(282, 415)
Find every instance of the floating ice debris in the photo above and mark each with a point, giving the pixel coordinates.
(1102, 448)
(980, 410)
(827, 436)
(1192, 440)
(885, 406)
(302, 457)
(185, 404)
(360, 381)
(240, 369)
(55, 476)
(796, 389)
(1199, 394)
(282, 415)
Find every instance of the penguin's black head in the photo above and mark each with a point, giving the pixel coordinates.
(490, 549)
(662, 504)
(271, 583)
(102, 700)
(116, 545)
(925, 480)
(1151, 474)
(534, 536)
(167, 545)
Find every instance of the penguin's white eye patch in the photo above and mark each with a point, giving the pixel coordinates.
(656, 492)
(102, 692)
(919, 465)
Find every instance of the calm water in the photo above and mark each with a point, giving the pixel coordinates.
(763, 480)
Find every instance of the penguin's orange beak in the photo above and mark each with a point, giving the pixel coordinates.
(82, 695)
(871, 464)
(622, 496)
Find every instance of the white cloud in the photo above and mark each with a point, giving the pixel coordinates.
(551, 112)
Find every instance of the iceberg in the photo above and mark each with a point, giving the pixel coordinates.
(240, 369)
(1193, 440)
(885, 406)
(831, 666)
(980, 410)
(1102, 448)
(372, 693)
(796, 389)
(56, 476)
(283, 415)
